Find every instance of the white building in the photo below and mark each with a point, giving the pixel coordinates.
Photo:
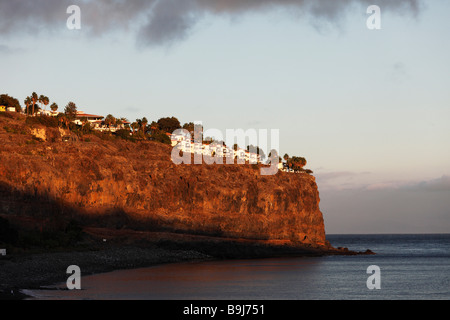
(186, 144)
(175, 138)
(95, 120)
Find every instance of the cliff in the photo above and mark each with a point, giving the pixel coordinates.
(122, 184)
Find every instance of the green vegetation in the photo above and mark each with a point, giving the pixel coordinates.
(169, 124)
(121, 128)
(71, 111)
(296, 164)
(160, 137)
(255, 149)
(6, 115)
(34, 99)
(43, 100)
(46, 121)
(54, 107)
(10, 102)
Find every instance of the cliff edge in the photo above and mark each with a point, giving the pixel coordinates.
(52, 175)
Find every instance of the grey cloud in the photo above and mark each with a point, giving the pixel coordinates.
(385, 211)
(340, 179)
(169, 21)
(5, 49)
(162, 22)
(440, 184)
(335, 175)
(399, 72)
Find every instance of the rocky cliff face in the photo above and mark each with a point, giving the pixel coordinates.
(137, 185)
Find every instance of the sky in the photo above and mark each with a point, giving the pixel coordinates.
(368, 109)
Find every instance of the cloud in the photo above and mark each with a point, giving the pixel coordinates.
(385, 211)
(335, 175)
(388, 207)
(340, 179)
(439, 184)
(5, 49)
(399, 72)
(163, 22)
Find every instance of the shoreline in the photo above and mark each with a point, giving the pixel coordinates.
(111, 250)
(36, 271)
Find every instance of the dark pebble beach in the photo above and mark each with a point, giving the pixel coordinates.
(35, 271)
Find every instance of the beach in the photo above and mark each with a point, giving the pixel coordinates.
(411, 267)
(106, 250)
(35, 271)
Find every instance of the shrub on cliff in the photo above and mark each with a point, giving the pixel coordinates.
(46, 121)
(124, 134)
(11, 102)
(160, 137)
(169, 124)
(6, 115)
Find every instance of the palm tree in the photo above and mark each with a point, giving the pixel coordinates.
(34, 100)
(144, 125)
(54, 107)
(71, 110)
(85, 124)
(43, 100)
(110, 120)
(27, 102)
(135, 127)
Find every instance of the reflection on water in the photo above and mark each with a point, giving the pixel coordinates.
(284, 279)
(236, 279)
(412, 267)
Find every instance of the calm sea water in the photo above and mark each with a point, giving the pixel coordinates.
(411, 267)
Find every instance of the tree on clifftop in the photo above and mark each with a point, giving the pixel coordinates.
(169, 125)
(296, 163)
(110, 120)
(70, 113)
(43, 100)
(251, 148)
(54, 107)
(190, 126)
(34, 99)
(134, 127)
(141, 127)
(27, 103)
(10, 102)
(71, 110)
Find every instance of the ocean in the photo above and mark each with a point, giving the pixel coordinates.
(409, 267)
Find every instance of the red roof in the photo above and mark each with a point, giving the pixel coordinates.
(85, 115)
